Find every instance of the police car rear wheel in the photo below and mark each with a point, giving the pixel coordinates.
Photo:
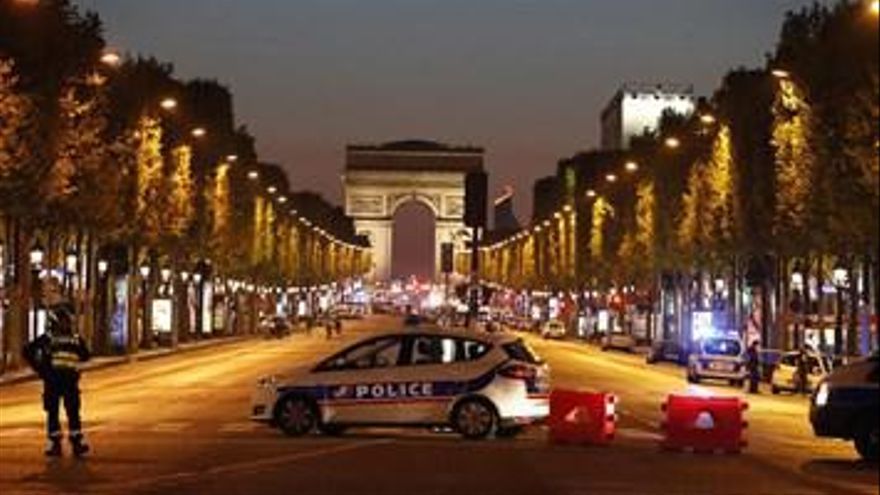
(297, 417)
(475, 419)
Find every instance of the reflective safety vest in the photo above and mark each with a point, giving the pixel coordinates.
(67, 351)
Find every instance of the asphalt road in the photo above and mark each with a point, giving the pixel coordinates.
(178, 425)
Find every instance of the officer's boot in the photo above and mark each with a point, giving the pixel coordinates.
(80, 447)
(53, 447)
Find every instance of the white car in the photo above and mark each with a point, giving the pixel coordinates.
(619, 340)
(787, 378)
(479, 384)
(717, 358)
(553, 329)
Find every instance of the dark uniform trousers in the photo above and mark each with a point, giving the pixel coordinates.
(61, 385)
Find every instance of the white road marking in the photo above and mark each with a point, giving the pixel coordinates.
(170, 427)
(238, 427)
(635, 434)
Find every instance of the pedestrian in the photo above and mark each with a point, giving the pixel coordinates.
(55, 356)
(753, 365)
(803, 360)
(338, 323)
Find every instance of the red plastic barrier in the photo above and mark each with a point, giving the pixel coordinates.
(705, 424)
(582, 418)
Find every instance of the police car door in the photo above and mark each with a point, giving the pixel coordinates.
(363, 383)
(441, 364)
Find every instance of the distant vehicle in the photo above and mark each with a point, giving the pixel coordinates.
(275, 326)
(478, 384)
(717, 358)
(620, 341)
(670, 351)
(846, 405)
(553, 329)
(787, 378)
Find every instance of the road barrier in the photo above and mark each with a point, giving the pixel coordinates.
(582, 418)
(704, 424)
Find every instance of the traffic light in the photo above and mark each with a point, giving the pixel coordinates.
(476, 192)
(447, 257)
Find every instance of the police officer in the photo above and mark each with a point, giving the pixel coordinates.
(753, 365)
(55, 356)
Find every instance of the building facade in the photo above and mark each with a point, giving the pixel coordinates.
(636, 109)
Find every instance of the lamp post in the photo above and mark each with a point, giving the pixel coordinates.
(36, 258)
(198, 279)
(70, 265)
(145, 271)
(797, 288)
(841, 281)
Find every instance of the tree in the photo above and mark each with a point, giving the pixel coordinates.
(19, 173)
(794, 143)
(180, 208)
(151, 199)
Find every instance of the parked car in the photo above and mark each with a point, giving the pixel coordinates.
(553, 329)
(717, 358)
(846, 405)
(670, 351)
(620, 341)
(786, 376)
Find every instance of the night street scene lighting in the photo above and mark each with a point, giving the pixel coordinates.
(489, 247)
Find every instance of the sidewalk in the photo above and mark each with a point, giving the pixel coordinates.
(101, 362)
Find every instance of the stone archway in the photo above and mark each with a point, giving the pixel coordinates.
(380, 179)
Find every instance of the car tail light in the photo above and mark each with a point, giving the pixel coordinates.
(518, 372)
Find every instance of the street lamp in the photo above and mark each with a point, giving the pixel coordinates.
(672, 143)
(36, 258)
(199, 132)
(111, 59)
(232, 158)
(611, 178)
(840, 278)
(253, 175)
(70, 262)
(103, 267)
(168, 104)
(708, 119)
(271, 190)
(781, 74)
(632, 167)
(875, 7)
(797, 287)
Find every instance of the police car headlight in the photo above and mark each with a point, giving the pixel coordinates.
(822, 394)
(267, 381)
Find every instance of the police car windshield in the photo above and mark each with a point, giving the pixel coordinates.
(722, 347)
(520, 351)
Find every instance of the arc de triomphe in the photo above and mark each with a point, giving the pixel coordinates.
(380, 179)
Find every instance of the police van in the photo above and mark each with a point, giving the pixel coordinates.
(478, 384)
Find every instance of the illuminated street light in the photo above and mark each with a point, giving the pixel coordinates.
(272, 190)
(591, 193)
(36, 256)
(875, 7)
(567, 208)
(168, 104)
(111, 59)
(673, 143)
(282, 199)
(103, 267)
(708, 119)
(781, 74)
(145, 271)
(199, 132)
(253, 175)
(232, 158)
(166, 275)
(632, 166)
(612, 178)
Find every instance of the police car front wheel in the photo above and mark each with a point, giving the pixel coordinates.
(475, 419)
(297, 416)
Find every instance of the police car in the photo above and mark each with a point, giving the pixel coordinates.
(717, 358)
(478, 384)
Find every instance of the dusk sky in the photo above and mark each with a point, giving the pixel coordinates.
(526, 79)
